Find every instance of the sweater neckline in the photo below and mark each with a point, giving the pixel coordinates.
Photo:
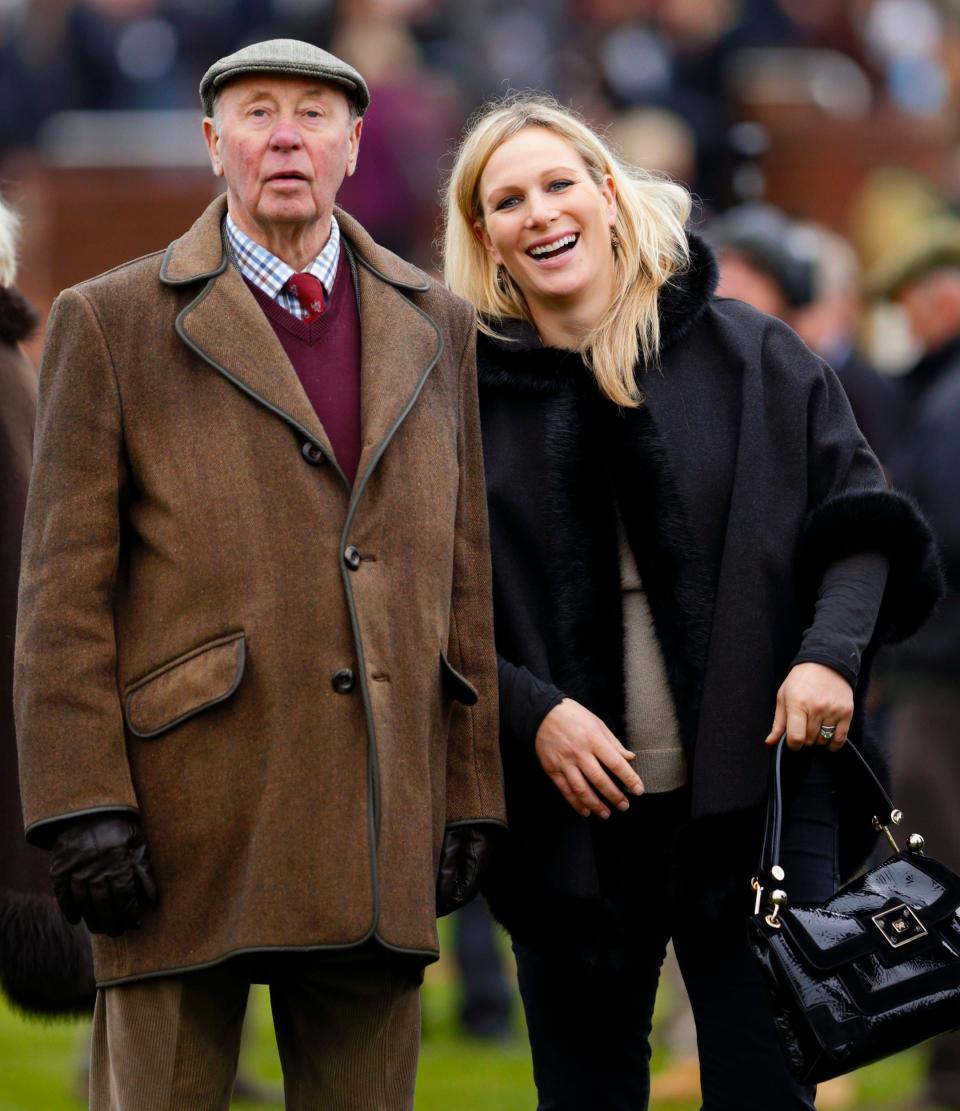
(308, 333)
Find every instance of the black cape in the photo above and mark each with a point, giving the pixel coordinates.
(739, 480)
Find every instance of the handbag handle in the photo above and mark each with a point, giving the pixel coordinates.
(771, 870)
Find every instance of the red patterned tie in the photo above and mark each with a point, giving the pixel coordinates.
(309, 291)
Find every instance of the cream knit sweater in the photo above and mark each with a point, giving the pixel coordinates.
(651, 724)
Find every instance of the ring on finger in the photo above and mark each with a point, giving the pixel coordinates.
(827, 732)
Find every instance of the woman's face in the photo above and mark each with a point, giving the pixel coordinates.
(546, 220)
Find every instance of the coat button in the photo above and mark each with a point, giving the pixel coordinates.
(352, 557)
(312, 453)
(343, 680)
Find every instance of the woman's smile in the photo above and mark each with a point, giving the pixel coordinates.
(548, 222)
(554, 248)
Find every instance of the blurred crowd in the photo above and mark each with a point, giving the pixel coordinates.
(879, 299)
(668, 74)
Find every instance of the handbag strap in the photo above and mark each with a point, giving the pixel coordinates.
(770, 853)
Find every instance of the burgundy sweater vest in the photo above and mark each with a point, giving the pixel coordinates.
(326, 356)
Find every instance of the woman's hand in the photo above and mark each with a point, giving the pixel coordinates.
(812, 695)
(575, 747)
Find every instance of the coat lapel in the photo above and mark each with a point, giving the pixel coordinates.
(399, 346)
(226, 327)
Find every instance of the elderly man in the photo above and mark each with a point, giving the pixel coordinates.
(255, 636)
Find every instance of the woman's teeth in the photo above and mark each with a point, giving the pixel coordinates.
(548, 250)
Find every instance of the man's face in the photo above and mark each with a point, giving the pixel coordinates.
(283, 146)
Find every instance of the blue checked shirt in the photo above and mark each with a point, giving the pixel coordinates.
(269, 273)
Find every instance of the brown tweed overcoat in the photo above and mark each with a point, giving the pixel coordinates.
(278, 673)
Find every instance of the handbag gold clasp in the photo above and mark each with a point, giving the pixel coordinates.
(896, 817)
(779, 899)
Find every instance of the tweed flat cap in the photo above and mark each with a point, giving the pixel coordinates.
(284, 57)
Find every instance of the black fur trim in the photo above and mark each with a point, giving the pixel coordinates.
(535, 369)
(584, 562)
(876, 521)
(685, 298)
(46, 965)
(675, 579)
(18, 319)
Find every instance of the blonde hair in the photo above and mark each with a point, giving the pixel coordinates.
(652, 247)
(9, 234)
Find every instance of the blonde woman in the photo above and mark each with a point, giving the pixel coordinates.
(691, 545)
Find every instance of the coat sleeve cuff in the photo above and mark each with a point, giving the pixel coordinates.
(42, 834)
(833, 662)
(525, 700)
(880, 521)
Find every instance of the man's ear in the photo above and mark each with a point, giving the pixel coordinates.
(213, 145)
(480, 234)
(354, 145)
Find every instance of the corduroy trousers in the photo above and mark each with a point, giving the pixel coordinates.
(347, 1026)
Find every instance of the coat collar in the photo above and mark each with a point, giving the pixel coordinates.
(518, 360)
(248, 353)
(201, 254)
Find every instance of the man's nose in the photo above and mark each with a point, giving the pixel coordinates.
(285, 135)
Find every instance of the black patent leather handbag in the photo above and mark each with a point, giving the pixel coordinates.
(874, 969)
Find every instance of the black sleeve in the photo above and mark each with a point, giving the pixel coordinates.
(848, 602)
(525, 700)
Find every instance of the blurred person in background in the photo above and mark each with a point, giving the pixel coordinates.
(58, 55)
(658, 139)
(828, 324)
(691, 544)
(254, 603)
(921, 677)
(45, 964)
(763, 259)
(485, 1004)
(809, 278)
(414, 112)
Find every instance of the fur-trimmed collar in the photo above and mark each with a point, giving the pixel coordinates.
(540, 369)
(18, 319)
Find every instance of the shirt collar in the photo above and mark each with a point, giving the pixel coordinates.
(269, 273)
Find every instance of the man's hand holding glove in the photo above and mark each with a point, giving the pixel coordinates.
(464, 859)
(101, 873)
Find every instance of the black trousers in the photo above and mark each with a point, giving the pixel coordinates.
(589, 1008)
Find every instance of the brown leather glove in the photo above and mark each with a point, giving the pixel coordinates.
(101, 873)
(464, 858)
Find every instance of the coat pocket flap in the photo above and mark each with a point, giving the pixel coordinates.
(183, 687)
(456, 685)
